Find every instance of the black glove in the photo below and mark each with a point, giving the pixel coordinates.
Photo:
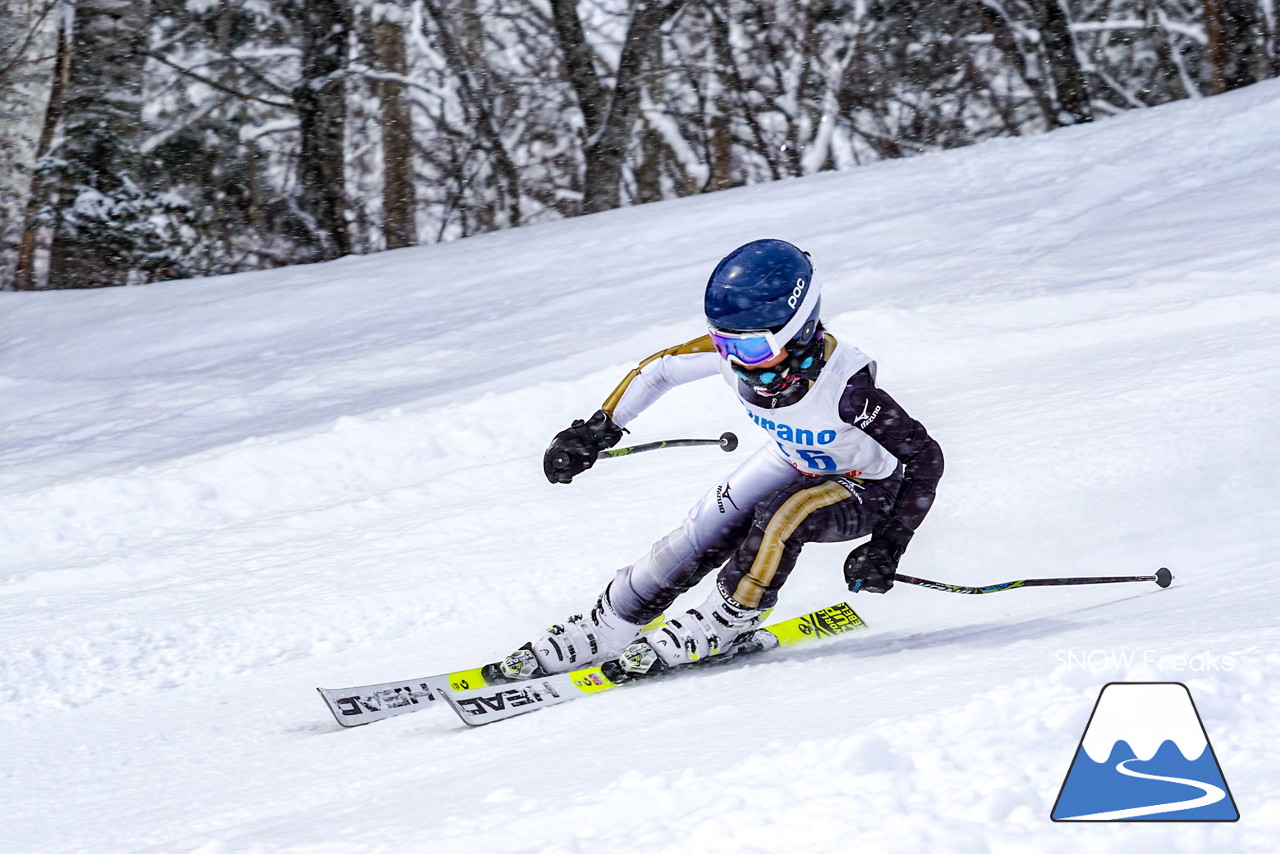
(574, 450)
(871, 567)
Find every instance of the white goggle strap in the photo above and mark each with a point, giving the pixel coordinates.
(799, 319)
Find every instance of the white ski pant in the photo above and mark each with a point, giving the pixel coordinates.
(754, 522)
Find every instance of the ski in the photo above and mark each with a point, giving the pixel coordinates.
(483, 705)
(364, 704)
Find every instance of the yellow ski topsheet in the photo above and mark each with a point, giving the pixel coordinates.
(466, 679)
(591, 680)
(825, 623)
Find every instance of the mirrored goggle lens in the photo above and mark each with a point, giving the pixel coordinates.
(750, 350)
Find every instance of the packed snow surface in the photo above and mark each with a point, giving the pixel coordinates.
(216, 495)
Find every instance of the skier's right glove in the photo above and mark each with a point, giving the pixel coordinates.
(574, 450)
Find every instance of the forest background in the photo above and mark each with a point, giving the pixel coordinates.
(145, 140)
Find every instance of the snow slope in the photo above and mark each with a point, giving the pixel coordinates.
(217, 495)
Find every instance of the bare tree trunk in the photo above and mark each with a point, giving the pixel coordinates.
(720, 151)
(399, 205)
(251, 187)
(320, 98)
(103, 126)
(1218, 50)
(28, 72)
(1233, 29)
(602, 183)
(995, 18)
(478, 102)
(579, 65)
(979, 82)
(1064, 64)
(648, 173)
(652, 147)
(609, 118)
(734, 86)
(1167, 67)
(25, 275)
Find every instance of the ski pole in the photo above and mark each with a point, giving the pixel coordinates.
(727, 441)
(1163, 578)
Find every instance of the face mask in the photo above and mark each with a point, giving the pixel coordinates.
(803, 364)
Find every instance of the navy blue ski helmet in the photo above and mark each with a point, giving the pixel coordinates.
(766, 287)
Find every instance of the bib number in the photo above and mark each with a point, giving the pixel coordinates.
(813, 459)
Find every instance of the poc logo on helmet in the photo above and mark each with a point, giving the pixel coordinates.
(794, 299)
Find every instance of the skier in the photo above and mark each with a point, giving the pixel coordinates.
(845, 461)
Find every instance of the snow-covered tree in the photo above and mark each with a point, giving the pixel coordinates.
(28, 73)
(112, 225)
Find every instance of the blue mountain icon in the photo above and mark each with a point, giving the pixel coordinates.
(1145, 757)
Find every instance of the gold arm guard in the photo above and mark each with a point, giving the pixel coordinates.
(697, 345)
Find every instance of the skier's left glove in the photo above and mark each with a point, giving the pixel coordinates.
(871, 567)
(574, 450)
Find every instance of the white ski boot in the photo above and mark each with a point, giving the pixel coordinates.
(575, 643)
(698, 633)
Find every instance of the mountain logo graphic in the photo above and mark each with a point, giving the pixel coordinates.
(1145, 756)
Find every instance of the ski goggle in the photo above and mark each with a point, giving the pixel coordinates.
(746, 348)
(756, 346)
